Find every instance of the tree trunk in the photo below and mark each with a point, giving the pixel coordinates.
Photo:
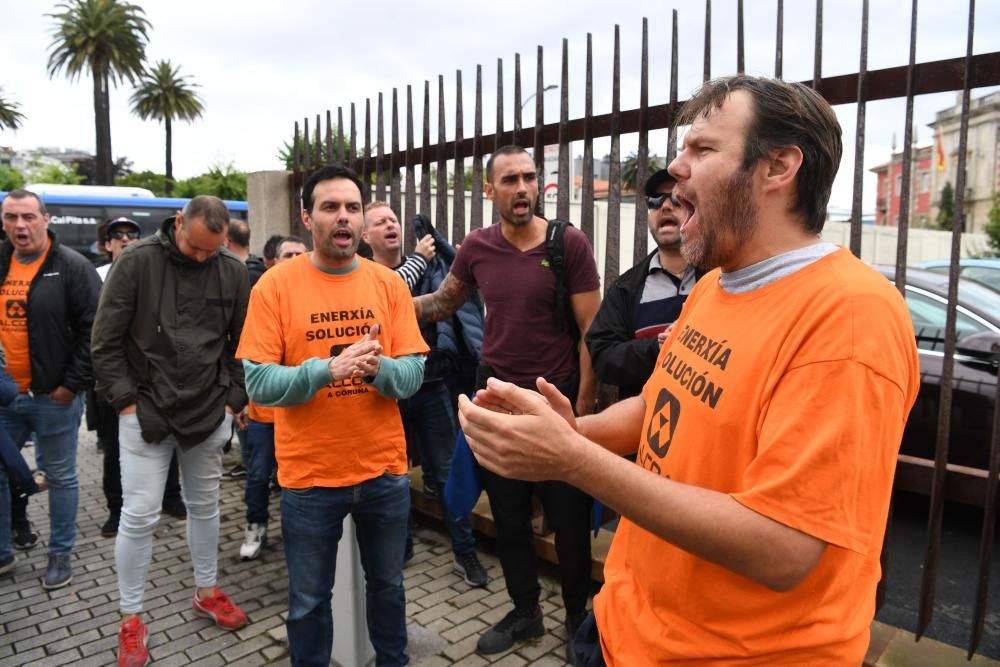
(169, 181)
(104, 169)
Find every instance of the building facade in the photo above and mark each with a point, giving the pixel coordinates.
(889, 189)
(982, 157)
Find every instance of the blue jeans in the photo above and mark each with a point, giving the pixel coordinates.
(260, 467)
(55, 427)
(429, 420)
(312, 522)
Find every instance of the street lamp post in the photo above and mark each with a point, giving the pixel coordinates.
(551, 86)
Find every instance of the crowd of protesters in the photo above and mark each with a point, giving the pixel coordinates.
(753, 499)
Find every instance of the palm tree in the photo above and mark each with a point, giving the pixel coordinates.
(10, 117)
(108, 39)
(630, 169)
(164, 94)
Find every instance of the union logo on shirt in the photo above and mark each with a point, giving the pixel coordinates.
(663, 422)
(17, 309)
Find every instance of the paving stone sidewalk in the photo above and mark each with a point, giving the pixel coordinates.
(78, 624)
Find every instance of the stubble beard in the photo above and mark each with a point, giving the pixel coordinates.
(726, 222)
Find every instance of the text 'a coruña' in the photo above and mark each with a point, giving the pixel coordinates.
(351, 386)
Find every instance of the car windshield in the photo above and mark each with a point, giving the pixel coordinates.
(980, 298)
(986, 275)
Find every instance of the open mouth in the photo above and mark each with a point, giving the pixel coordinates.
(343, 238)
(679, 201)
(521, 207)
(391, 236)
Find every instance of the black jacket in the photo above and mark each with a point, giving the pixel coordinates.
(617, 356)
(62, 300)
(165, 338)
(256, 268)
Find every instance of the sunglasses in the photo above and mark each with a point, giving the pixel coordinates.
(119, 235)
(655, 203)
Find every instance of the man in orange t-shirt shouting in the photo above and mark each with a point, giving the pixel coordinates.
(332, 339)
(766, 436)
(49, 296)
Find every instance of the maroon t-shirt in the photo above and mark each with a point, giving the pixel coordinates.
(522, 340)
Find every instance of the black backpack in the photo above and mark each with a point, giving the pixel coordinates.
(555, 253)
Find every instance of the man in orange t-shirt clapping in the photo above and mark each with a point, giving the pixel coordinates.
(767, 435)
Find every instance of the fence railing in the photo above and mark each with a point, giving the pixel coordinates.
(391, 170)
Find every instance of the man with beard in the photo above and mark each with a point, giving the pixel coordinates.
(768, 432)
(625, 337)
(523, 340)
(332, 340)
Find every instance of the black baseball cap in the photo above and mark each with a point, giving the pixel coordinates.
(654, 182)
(123, 220)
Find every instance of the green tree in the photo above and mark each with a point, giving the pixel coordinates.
(52, 173)
(163, 94)
(223, 181)
(993, 226)
(10, 117)
(287, 157)
(106, 38)
(630, 169)
(145, 179)
(946, 208)
(10, 178)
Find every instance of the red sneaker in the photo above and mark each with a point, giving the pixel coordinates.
(132, 637)
(220, 609)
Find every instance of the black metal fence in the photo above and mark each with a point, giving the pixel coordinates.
(393, 171)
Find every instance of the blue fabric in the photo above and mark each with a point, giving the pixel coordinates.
(463, 488)
(260, 467)
(470, 315)
(55, 427)
(429, 420)
(16, 469)
(312, 523)
(8, 389)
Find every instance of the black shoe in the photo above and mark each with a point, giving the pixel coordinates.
(467, 565)
(514, 627)
(408, 555)
(110, 527)
(175, 508)
(24, 538)
(573, 622)
(238, 471)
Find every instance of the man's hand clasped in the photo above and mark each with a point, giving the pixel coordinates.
(362, 359)
(518, 433)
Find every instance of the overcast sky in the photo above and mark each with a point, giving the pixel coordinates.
(261, 66)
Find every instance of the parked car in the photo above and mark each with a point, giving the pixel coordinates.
(976, 364)
(985, 271)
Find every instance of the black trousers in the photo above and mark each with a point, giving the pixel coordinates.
(567, 512)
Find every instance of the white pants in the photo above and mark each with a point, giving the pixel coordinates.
(144, 474)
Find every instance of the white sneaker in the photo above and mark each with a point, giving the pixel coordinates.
(254, 539)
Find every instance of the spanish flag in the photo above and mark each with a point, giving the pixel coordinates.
(940, 152)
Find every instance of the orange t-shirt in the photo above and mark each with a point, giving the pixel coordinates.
(14, 319)
(260, 413)
(348, 432)
(792, 399)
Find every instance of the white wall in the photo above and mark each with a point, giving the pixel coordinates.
(878, 244)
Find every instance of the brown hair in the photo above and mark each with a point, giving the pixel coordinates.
(784, 114)
(211, 209)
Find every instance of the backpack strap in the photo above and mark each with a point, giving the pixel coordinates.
(555, 253)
